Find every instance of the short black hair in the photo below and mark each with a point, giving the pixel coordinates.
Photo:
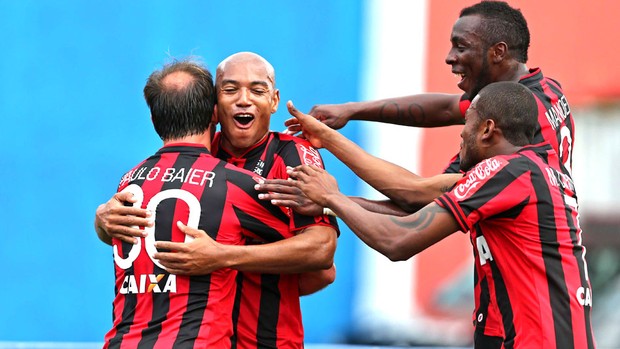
(502, 23)
(514, 109)
(180, 111)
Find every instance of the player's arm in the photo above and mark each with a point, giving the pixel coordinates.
(421, 110)
(311, 250)
(398, 238)
(115, 220)
(314, 281)
(282, 192)
(405, 188)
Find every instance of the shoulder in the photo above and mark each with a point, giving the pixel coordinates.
(297, 151)
(240, 177)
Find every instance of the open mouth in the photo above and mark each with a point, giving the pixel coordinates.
(244, 119)
(462, 80)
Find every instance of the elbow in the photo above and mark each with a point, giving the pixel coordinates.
(325, 253)
(330, 275)
(325, 257)
(397, 252)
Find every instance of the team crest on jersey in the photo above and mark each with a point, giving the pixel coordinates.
(476, 176)
(309, 156)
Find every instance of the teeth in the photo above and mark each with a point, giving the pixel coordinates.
(244, 119)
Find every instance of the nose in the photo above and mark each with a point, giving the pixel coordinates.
(451, 57)
(244, 97)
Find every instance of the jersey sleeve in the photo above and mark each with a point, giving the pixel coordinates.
(464, 104)
(259, 219)
(492, 187)
(295, 153)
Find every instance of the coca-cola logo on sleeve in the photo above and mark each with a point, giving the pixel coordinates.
(476, 176)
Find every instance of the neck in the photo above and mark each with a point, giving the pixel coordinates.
(515, 72)
(237, 151)
(203, 139)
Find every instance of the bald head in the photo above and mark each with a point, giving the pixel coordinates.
(246, 58)
(177, 80)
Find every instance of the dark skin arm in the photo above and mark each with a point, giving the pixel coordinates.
(398, 238)
(408, 190)
(282, 192)
(421, 110)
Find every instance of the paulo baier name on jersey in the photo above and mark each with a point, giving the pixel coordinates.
(192, 175)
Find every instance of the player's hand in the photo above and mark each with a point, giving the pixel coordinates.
(282, 192)
(313, 130)
(315, 182)
(120, 221)
(335, 116)
(200, 256)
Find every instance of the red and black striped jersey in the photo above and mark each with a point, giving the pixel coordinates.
(267, 312)
(555, 121)
(531, 281)
(184, 182)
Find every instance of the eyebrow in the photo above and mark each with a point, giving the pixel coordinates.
(252, 83)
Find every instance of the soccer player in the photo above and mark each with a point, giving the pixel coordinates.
(490, 43)
(183, 182)
(267, 310)
(520, 210)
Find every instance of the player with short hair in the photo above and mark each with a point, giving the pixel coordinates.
(531, 282)
(490, 42)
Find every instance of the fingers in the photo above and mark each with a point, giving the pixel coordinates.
(282, 186)
(191, 231)
(171, 246)
(124, 197)
(291, 122)
(125, 238)
(130, 211)
(301, 117)
(303, 170)
(293, 129)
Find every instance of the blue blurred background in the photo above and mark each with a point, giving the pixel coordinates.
(74, 120)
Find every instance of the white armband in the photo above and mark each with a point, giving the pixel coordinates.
(328, 212)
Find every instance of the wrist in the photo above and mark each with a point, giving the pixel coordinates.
(333, 201)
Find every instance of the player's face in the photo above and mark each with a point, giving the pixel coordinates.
(468, 55)
(246, 98)
(470, 153)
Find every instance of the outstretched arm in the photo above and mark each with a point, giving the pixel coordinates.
(421, 110)
(310, 250)
(405, 188)
(282, 192)
(398, 238)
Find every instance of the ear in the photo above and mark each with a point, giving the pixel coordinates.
(214, 118)
(275, 101)
(487, 130)
(499, 52)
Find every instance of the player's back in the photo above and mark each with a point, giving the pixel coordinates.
(183, 182)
